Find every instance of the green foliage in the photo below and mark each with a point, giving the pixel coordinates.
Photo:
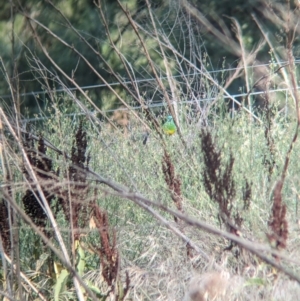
(183, 36)
(60, 285)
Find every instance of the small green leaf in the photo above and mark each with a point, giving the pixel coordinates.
(97, 291)
(254, 281)
(60, 285)
(81, 260)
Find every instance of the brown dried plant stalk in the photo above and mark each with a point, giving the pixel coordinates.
(108, 252)
(219, 183)
(173, 182)
(278, 224)
(4, 226)
(109, 255)
(42, 165)
(74, 198)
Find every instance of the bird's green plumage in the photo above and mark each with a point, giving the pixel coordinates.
(169, 126)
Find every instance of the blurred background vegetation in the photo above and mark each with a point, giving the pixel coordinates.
(18, 50)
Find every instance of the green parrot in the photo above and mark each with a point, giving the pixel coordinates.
(169, 126)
